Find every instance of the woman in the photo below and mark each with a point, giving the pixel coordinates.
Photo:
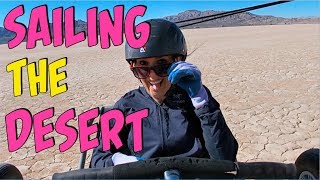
(184, 119)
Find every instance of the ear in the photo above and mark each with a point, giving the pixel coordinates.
(132, 62)
(178, 58)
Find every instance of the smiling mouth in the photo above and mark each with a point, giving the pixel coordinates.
(156, 82)
(156, 85)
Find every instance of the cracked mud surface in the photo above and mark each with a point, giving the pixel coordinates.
(266, 79)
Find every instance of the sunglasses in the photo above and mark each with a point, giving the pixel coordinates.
(142, 72)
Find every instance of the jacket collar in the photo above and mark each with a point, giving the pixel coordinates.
(144, 92)
(148, 96)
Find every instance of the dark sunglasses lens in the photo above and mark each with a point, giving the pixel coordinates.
(140, 72)
(161, 70)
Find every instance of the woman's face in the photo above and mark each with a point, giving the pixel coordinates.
(155, 84)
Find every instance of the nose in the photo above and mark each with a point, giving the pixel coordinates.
(153, 75)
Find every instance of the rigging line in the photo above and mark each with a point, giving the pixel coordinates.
(255, 7)
(220, 16)
(224, 14)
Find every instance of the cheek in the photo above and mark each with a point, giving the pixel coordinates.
(144, 82)
(167, 82)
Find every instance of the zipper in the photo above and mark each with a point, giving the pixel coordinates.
(167, 122)
(161, 127)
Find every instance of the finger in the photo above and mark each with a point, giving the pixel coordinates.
(192, 69)
(188, 69)
(177, 75)
(176, 67)
(173, 66)
(170, 71)
(184, 66)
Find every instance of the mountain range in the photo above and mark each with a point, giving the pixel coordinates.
(242, 19)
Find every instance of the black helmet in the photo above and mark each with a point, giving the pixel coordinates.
(165, 39)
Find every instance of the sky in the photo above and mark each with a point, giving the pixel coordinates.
(159, 9)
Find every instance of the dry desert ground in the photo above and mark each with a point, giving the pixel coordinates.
(266, 79)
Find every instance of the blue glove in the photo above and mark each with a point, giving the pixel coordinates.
(119, 158)
(187, 76)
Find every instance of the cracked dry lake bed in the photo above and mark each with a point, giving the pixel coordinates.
(266, 79)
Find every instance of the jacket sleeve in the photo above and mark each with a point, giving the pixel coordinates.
(219, 141)
(102, 158)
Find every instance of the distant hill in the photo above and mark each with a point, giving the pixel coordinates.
(243, 19)
(5, 35)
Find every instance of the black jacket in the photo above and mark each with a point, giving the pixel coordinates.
(174, 128)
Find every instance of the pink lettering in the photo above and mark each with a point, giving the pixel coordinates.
(11, 25)
(143, 28)
(70, 132)
(57, 27)
(15, 142)
(92, 27)
(136, 120)
(85, 131)
(71, 37)
(111, 134)
(111, 29)
(40, 130)
(38, 19)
